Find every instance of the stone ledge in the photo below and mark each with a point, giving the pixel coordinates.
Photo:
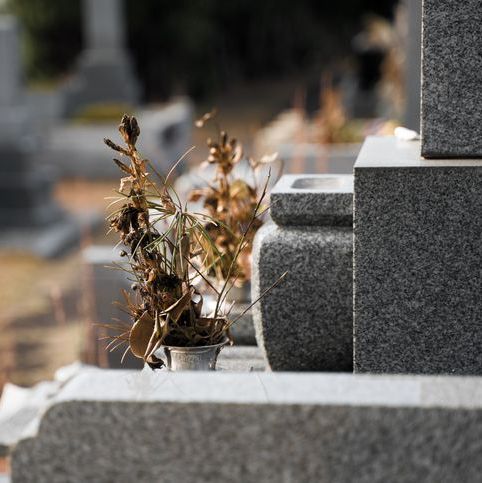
(271, 427)
(275, 388)
(389, 152)
(313, 200)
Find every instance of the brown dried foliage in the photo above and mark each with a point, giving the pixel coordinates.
(231, 202)
(169, 250)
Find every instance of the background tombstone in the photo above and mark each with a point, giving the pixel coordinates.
(9, 48)
(29, 217)
(452, 79)
(15, 129)
(104, 71)
(25, 191)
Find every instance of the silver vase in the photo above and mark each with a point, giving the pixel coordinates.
(191, 358)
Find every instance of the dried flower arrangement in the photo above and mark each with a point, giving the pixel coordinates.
(169, 250)
(230, 202)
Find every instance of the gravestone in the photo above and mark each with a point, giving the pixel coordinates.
(14, 123)
(104, 73)
(29, 217)
(418, 225)
(24, 190)
(452, 79)
(10, 79)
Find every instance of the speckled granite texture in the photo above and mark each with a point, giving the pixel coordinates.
(306, 322)
(296, 200)
(250, 428)
(452, 79)
(417, 262)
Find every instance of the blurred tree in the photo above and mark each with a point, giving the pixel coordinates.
(200, 46)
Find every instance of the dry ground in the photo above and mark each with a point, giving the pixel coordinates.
(41, 304)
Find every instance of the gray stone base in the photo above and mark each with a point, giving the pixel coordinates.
(77, 150)
(26, 197)
(243, 331)
(52, 239)
(240, 358)
(21, 408)
(418, 261)
(267, 427)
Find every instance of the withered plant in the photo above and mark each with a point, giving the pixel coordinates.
(230, 202)
(168, 249)
(331, 118)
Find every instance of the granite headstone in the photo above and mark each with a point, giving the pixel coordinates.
(104, 73)
(452, 79)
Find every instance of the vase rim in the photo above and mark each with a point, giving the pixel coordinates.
(224, 341)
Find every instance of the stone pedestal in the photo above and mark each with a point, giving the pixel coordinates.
(452, 79)
(104, 72)
(305, 323)
(76, 150)
(106, 306)
(123, 426)
(25, 192)
(417, 261)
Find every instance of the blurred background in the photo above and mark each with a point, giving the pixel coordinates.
(306, 79)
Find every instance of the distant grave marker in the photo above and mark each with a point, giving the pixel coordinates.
(29, 217)
(104, 73)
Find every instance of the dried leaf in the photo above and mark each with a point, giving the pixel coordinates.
(123, 166)
(196, 195)
(240, 189)
(115, 147)
(141, 334)
(175, 311)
